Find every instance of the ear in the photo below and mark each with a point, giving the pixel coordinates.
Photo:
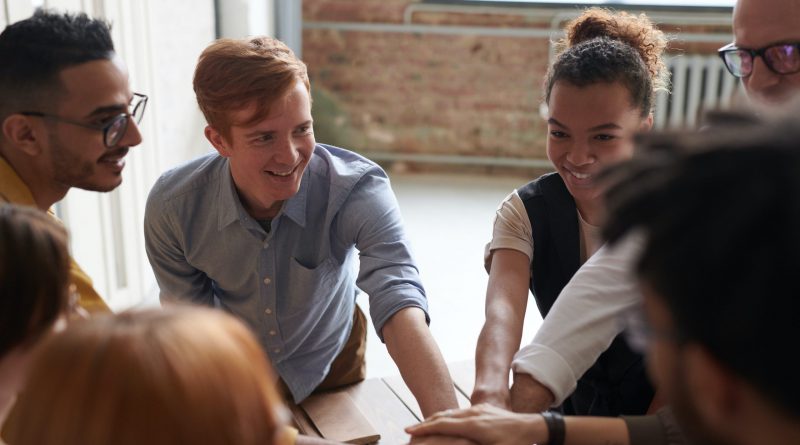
(218, 141)
(717, 392)
(21, 133)
(647, 123)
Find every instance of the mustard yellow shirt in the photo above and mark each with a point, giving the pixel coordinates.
(13, 190)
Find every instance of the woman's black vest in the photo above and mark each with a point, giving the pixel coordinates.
(617, 383)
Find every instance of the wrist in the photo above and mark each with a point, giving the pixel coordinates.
(535, 429)
(556, 428)
(529, 387)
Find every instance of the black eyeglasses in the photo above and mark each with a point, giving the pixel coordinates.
(114, 129)
(781, 58)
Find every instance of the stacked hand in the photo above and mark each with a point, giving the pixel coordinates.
(483, 424)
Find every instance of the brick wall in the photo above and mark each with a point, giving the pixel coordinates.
(444, 83)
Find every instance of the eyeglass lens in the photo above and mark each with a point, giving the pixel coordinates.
(782, 59)
(117, 127)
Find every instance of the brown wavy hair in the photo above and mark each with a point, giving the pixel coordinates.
(606, 46)
(34, 275)
(233, 74)
(178, 375)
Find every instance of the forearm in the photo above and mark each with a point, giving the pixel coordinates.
(582, 430)
(528, 395)
(498, 341)
(506, 301)
(419, 360)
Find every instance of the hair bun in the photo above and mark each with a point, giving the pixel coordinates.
(635, 31)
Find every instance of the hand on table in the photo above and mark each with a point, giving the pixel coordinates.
(484, 424)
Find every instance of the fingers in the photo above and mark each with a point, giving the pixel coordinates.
(453, 413)
(442, 426)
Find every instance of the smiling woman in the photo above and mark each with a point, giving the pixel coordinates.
(599, 92)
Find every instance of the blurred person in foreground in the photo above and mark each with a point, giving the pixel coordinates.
(179, 375)
(34, 292)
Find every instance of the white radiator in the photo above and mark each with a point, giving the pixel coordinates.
(699, 83)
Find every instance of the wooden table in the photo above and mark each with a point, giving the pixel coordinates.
(386, 404)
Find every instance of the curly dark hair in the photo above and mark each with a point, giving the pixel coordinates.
(602, 46)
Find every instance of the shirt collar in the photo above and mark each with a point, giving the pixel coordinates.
(228, 203)
(231, 208)
(295, 207)
(12, 189)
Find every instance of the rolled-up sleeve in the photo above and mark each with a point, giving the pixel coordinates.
(590, 311)
(387, 273)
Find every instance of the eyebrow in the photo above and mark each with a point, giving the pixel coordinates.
(608, 126)
(258, 133)
(119, 108)
(267, 132)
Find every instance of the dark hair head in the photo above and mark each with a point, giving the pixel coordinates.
(34, 274)
(720, 212)
(601, 46)
(35, 50)
(235, 73)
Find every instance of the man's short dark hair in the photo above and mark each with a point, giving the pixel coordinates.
(35, 50)
(720, 212)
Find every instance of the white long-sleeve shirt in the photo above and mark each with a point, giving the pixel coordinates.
(602, 298)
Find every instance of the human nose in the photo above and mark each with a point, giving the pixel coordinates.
(580, 154)
(287, 153)
(132, 136)
(761, 77)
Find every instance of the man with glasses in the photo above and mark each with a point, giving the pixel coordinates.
(766, 49)
(67, 115)
(602, 298)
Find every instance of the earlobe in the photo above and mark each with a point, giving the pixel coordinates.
(647, 123)
(218, 141)
(20, 134)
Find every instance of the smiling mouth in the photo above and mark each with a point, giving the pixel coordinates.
(116, 157)
(282, 174)
(578, 175)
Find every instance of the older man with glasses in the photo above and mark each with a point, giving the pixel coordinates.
(67, 116)
(765, 53)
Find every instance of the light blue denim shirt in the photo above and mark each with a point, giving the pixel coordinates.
(296, 285)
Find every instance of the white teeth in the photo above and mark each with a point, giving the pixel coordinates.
(580, 175)
(282, 173)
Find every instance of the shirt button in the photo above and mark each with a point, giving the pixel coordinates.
(276, 350)
(266, 245)
(268, 311)
(267, 281)
(272, 332)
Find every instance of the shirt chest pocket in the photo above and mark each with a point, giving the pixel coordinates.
(309, 289)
